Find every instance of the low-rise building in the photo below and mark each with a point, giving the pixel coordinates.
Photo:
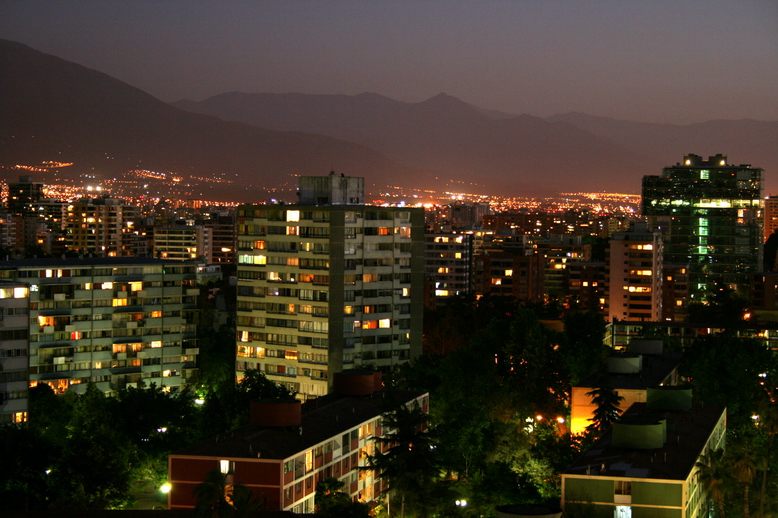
(288, 448)
(645, 466)
(631, 374)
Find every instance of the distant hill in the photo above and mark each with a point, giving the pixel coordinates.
(743, 141)
(481, 148)
(51, 109)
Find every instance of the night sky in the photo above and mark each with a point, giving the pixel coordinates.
(672, 61)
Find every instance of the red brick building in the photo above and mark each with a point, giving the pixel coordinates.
(288, 448)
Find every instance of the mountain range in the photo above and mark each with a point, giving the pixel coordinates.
(51, 109)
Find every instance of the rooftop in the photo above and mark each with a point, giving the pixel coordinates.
(654, 370)
(322, 419)
(84, 261)
(687, 433)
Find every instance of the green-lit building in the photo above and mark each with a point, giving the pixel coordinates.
(710, 213)
(645, 466)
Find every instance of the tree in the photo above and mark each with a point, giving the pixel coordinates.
(726, 369)
(332, 502)
(768, 425)
(712, 473)
(745, 470)
(583, 349)
(405, 457)
(94, 470)
(607, 411)
(217, 497)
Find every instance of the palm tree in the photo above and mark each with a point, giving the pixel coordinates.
(745, 471)
(768, 423)
(213, 495)
(405, 456)
(218, 498)
(711, 475)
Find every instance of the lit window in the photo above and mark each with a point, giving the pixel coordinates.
(21, 293)
(508, 273)
(308, 461)
(290, 355)
(224, 466)
(106, 286)
(293, 215)
(385, 323)
(119, 302)
(155, 344)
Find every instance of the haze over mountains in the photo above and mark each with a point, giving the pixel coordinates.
(51, 109)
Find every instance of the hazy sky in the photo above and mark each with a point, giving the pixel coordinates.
(648, 60)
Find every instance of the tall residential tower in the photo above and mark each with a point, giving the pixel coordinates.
(710, 214)
(327, 285)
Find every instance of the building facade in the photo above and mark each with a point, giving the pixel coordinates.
(635, 274)
(183, 243)
(710, 214)
(14, 351)
(645, 466)
(101, 227)
(326, 287)
(288, 448)
(113, 322)
(448, 264)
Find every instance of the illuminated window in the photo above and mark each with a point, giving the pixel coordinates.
(21, 293)
(290, 355)
(224, 466)
(309, 461)
(385, 323)
(106, 286)
(155, 344)
(156, 314)
(508, 273)
(120, 302)
(136, 286)
(623, 487)
(20, 417)
(293, 215)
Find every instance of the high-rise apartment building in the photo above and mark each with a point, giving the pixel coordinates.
(102, 227)
(635, 274)
(710, 214)
(448, 260)
(22, 195)
(770, 216)
(14, 351)
(112, 321)
(327, 285)
(183, 243)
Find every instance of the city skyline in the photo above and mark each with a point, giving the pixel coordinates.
(649, 62)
